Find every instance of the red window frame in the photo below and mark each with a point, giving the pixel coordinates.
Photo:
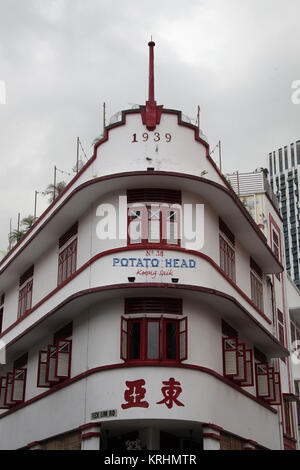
(25, 298)
(237, 362)
(19, 385)
(67, 261)
(287, 413)
(54, 363)
(181, 339)
(145, 214)
(257, 293)
(227, 258)
(268, 384)
(280, 323)
(3, 381)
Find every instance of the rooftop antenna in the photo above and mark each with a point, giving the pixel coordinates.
(198, 118)
(151, 113)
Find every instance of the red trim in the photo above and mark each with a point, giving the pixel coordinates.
(211, 435)
(32, 444)
(90, 434)
(213, 426)
(89, 426)
(145, 285)
(228, 191)
(95, 370)
(130, 248)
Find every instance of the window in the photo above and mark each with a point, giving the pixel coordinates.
(227, 258)
(154, 224)
(154, 216)
(68, 254)
(276, 248)
(237, 362)
(229, 442)
(268, 385)
(25, 292)
(55, 360)
(13, 385)
(287, 407)
(153, 339)
(67, 262)
(280, 324)
(257, 292)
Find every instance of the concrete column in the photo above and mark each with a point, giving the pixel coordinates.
(211, 437)
(90, 436)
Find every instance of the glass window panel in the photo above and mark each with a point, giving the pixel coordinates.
(171, 340)
(153, 340)
(135, 232)
(154, 231)
(134, 340)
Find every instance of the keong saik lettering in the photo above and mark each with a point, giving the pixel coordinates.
(146, 263)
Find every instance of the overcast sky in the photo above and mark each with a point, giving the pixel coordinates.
(60, 59)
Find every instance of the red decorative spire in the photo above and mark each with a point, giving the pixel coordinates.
(151, 114)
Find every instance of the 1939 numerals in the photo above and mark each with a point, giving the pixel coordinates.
(156, 137)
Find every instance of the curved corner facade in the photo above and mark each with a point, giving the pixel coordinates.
(145, 308)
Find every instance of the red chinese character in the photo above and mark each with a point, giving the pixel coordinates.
(171, 392)
(135, 394)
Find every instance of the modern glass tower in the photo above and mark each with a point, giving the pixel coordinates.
(284, 174)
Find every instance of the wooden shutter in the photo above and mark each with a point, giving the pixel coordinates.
(42, 370)
(271, 396)
(241, 363)
(277, 390)
(183, 339)
(8, 391)
(124, 339)
(262, 380)
(248, 382)
(19, 384)
(230, 357)
(2, 393)
(51, 364)
(63, 359)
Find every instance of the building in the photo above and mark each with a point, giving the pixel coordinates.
(256, 194)
(284, 168)
(145, 308)
(254, 190)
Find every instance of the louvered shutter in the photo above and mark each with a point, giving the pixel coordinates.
(19, 384)
(42, 370)
(137, 305)
(124, 339)
(241, 363)
(8, 391)
(183, 339)
(277, 390)
(51, 364)
(63, 358)
(262, 380)
(248, 382)
(230, 357)
(2, 393)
